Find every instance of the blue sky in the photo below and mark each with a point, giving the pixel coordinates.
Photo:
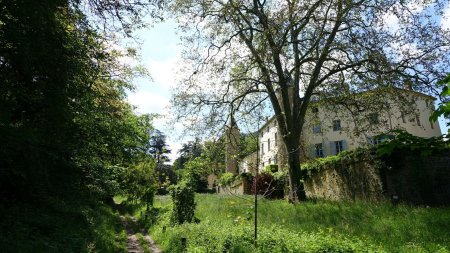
(160, 52)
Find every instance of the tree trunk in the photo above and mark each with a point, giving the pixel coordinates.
(296, 188)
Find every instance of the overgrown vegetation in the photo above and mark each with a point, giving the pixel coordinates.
(183, 202)
(316, 226)
(340, 159)
(67, 134)
(444, 106)
(404, 141)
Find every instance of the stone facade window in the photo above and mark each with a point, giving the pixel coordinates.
(373, 119)
(336, 125)
(319, 150)
(317, 129)
(339, 146)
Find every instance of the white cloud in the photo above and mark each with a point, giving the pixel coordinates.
(163, 72)
(391, 22)
(148, 102)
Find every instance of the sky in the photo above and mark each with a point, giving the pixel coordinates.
(160, 52)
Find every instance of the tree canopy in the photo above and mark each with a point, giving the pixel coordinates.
(286, 53)
(62, 103)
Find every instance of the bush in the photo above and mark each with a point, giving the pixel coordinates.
(183, 198)
(271, 168)
(265, 184)
(227, 179)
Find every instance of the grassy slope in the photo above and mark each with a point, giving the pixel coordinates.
(56, 226)
(390, 228)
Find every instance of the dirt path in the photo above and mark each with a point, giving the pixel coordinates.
(133, 245)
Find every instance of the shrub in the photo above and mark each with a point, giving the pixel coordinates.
(149, 196)
(271, 168)
(227, 178)
(265, 184)
(183, 198)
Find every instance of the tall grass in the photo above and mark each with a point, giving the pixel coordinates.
(381, 227)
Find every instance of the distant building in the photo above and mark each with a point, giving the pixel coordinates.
(329, 131)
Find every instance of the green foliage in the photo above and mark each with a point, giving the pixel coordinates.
(248, 144)
(444, 107)
(214, 153)
(183, 202)
(319, 226)
(140, 182)
(226, 179)
(404, 141)
(196, 172)
(340, 159)
(271, 168)
(158, 147)
(62, 95)
(188, 151)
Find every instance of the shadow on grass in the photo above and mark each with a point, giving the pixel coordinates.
(53, 225)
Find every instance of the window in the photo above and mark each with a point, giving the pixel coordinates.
(317, 129)
(379, 139)
(275, 139)
(418, 120)
(270, 161)
(336, 125)
(268, 128)
(374, 140)
(339, 146)
(268, 144)
(262, 148)
(319, 150)
(403, 117)
(373, 118)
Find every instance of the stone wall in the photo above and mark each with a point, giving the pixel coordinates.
(419, 180)
(414, 179)
(359, 180)
(239, 187)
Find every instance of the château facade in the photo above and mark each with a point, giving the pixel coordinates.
(330, 129)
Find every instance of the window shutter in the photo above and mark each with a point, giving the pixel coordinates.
(332, 148)
(344, 145)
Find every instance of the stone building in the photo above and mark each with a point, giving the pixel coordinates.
(330, 129)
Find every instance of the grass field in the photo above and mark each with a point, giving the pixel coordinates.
(226, 223)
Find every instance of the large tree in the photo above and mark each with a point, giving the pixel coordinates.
(62, 102)
(158, 147)
(242, 53)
